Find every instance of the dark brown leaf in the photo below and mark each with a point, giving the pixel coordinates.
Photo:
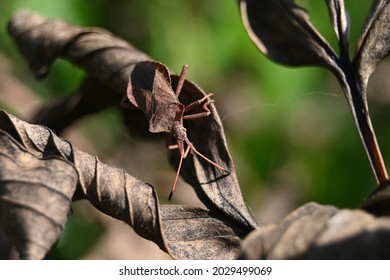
(34, 152)
(291, 39)
(374, 42)
(91, 97)
(103, 56)
(96, 50)
(35, 197)
(340, 22)
(378, 202)
(321, 232)
(107, 59)
(111, 61)
(187, 232)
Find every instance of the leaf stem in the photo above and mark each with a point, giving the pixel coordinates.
(356, 96)
(372, 148)
(358, 104)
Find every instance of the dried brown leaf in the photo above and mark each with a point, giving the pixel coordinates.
(46, 160)
(374, 42)
(187, 233)
(291, 39)
(108, 61)
(377, 203)
(321, 232)
(340, 22)
(111, 61)
(34, 204)
(104, 57)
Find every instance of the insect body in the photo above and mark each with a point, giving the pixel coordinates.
(150, 90)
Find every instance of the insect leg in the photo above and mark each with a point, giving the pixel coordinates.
(183, 153)
(175, 182)
(181, 80)
(203, 156)
(199, 115)
(173, 147)
(186, 153)
(198, 102)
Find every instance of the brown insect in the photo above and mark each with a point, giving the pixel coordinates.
(150, 90)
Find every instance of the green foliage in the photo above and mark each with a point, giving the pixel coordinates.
(80, 234)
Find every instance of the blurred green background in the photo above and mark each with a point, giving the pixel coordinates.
(289, 130)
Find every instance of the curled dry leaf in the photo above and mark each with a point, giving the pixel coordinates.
(321, 232)
(34, 204)
(340, 22)
(187, 234)
(58, 172)
(103, 56)
(109, 62)
(377, 203)
(150, 89)
(374, 42)
(91, 97)
(292, 39)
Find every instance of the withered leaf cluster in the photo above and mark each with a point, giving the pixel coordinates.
(316, 231)
(182, 231)
(41, 174)
(293, 40)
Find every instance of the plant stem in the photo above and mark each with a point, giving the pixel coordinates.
(367, 134)
(356, 96)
